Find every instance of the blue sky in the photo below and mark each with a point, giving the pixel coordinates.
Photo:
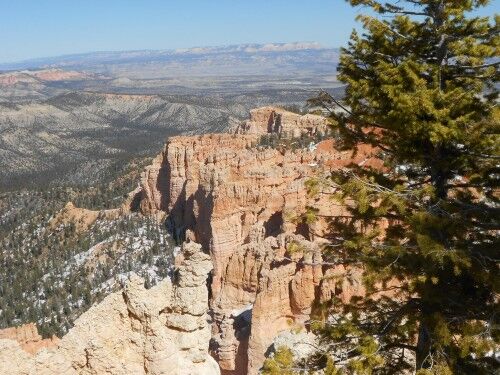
(53, 27)
(37, 28)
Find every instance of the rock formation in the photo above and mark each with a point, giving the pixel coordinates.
(162, 330)
(29, 76)
(28, 338)
(242, 202)
(82, 218)
(276, 120)
(238, 204)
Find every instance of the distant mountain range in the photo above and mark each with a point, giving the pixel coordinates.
(247, 59)
(84, 113)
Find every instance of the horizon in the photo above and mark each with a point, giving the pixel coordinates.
(36, 30)
(54, 28)
(166, 50)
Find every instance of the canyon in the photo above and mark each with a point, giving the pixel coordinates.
(74, 119)
(244, 203)
(239, 206)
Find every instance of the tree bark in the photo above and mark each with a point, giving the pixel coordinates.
(423, 347)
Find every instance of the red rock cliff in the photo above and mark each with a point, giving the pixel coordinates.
(239, 201)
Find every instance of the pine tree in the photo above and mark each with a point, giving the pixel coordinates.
(280, 364)
(420, 89)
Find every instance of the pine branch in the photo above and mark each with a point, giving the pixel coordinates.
(413, 348)
(301, 261)
(324, 99)
(475, 66)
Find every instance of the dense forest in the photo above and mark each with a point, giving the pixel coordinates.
(52, 271)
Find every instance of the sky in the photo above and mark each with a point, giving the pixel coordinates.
(36, 28)
(30, 29)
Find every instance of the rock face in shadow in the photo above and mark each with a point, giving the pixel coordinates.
(162, 330)
(242, 202)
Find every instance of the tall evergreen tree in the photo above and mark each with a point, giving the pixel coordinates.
(420, 89)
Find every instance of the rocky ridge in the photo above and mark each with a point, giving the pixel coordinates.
(162, 330)
(30, 76)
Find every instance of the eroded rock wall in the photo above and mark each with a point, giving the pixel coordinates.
(276, 120)
(241, 203)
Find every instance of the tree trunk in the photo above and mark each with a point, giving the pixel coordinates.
(423, 347)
